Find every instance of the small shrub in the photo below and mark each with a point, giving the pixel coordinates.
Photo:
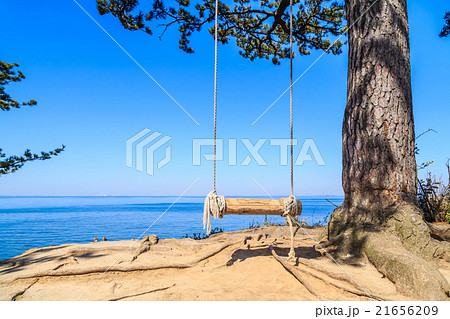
(200, 236)
(253, 225)
(434, 198)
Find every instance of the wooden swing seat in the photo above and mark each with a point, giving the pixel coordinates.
(256, 206)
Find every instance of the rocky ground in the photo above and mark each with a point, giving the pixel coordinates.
(227, 266)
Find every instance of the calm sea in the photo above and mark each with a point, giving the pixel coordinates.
(30, 222)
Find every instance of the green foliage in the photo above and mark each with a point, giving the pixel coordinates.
(259, 27)
(7, 75)
(13, 163)
(200, 236)
(446, 29)
(434, 198)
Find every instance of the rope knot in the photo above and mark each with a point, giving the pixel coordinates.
(291, 206)
(215, 206)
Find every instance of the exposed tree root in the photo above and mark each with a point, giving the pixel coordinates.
(357, 292)
(296, 274)
(411, 274)
(94, 250)
(408, 224)
(120, 268)
(68, 261)
(146, 243)
(329, 273)
(325, 244)
(442, 230)
(400, 247)
(295, 271)
(141, 293)
(20, 293)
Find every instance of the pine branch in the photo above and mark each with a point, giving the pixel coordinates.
(13, 163)
(7, 75)
(259, 27)
(446, 29)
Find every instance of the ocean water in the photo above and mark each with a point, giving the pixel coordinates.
(30, 222)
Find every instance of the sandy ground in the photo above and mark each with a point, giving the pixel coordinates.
(227, 266)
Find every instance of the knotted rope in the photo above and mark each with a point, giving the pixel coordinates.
(215, 206)
(291, 206)
(291, 209)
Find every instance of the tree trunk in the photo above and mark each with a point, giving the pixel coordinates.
(379, 166)
(379, 169)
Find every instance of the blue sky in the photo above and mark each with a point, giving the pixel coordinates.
(93, 97)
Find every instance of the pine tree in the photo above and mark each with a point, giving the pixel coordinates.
(446, 29)
(13, 163)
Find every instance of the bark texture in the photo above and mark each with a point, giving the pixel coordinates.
(379, 167)
(380, 217)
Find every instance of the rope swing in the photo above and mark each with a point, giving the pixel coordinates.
(218, 206)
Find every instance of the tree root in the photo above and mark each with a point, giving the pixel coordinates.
(357, 292)
(411, 274)
(399, 245)
(146, 243)
(295, 273)
(141, 293)
(325, 244)
(408, 224)
(330, 274)
(20, 293)
(68, 261)
(441, 230)
(120, 268)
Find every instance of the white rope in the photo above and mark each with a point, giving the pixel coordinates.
(215, 91)
(291, 206)
(290, 101)
(215, 206)
(291, 256)
(291, 209)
